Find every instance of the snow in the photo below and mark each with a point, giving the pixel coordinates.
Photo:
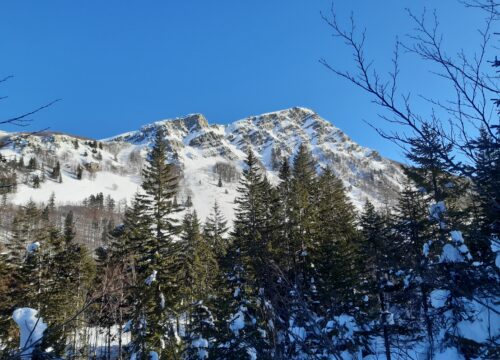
(426, 249)
(31, 330)
(346, 323)
(449, 354)
(151, 278)
(252, 353)
(119, 177)
(202, 345)
(485, 323)
(455, 251)
(436, 210)
(236, 293)
(128, 326)
(450, 254)
(457, 236)
(33, 247)
(495, 248)
(439, 297)
(297, 333)
(162, 301)
(72, 190)
(238, 321)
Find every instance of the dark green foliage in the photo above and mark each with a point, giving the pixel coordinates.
(215, 230)
(79, 172)
(56, 172)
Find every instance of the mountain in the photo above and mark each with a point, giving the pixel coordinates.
(203, 152)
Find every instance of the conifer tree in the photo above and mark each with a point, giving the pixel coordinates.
(199, 266)
(412, 225)
(79, 172)
(215, 230)
(335, 254)
(250, 267)
(375, 250)
(196, 279)
(486, 195)
(56, 172)
(303, 221)
(157, 293)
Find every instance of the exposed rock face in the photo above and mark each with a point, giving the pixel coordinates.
(197, 147)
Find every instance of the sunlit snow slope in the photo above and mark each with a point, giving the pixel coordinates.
(113, 167)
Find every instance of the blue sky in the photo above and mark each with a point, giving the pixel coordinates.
(119, 64)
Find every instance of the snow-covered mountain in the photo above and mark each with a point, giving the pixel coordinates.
(202, 151)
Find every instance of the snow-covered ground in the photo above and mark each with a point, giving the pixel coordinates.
(113, 167)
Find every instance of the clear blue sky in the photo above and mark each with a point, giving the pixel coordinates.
(119, 64)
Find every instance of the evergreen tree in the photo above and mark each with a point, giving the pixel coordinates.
(486, 195)
(36, 182)
(335, 254)
(79, 172)
(199, 266)
(375, 249)
(248, 323)
(303, 214)
(32, 164)
(158, 265)
(215, 230)
(56, 172)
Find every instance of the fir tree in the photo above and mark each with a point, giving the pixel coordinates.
(79, 172)
(375, 250)
(158, 264)
(199, 267)
(215, 230)
(56, 172)
(250, 273)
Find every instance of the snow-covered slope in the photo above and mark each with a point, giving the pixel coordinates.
(112, 165)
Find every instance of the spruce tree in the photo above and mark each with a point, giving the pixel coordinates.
(335, 254)
(247, 325)
(376, 274)
(215, 230)
(157, 292)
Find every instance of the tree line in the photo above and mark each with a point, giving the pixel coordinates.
(300, 274)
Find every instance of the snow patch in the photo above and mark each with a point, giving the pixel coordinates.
(31, 328)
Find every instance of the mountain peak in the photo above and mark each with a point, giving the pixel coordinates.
(190, 122)
(296, 113)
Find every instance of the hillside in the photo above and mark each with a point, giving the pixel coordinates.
(203, 152)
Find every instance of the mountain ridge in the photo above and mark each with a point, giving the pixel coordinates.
(202, 151)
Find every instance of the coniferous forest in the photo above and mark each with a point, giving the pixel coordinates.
(300, 272)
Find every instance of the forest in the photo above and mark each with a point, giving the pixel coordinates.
(300, 272)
